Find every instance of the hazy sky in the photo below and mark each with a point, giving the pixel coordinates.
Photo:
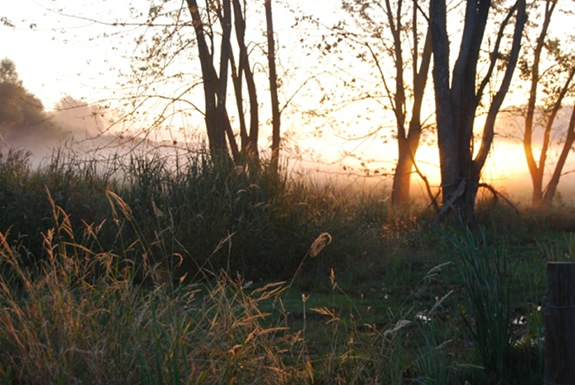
(57, 54)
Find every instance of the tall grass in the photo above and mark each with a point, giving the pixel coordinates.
(84, 317)
(185, 206)
(484, 271)
(68, 325)
(140, 272)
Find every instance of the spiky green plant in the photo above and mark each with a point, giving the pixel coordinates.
(483, 268)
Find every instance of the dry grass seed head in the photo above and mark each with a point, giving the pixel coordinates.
(319, 244)
(115, 198)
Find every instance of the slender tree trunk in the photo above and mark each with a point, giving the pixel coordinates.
(221, 117)
(276, 118)
(544, 196)
(536, 170)
(214, 87)
(408, 142)
(554, 181)
(237, 80)
(249, 140)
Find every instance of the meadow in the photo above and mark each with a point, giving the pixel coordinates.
(146, 271)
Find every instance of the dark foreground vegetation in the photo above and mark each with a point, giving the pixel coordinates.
(147, 271)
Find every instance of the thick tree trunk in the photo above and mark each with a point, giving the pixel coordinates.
(402, 176)
(214, 86)
(537, 184)
(447, 134)
(457, 100)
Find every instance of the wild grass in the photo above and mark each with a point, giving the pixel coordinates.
(181, 271)
(487, 314)
(65, 324)
(83, 317)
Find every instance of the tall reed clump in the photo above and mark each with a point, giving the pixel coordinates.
(65, 324)
(183, 204)
(484, 271)
(190, 203)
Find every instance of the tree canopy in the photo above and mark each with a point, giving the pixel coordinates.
(21, 112)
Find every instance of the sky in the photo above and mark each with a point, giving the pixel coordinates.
(57, 52)
(56, 55)
(60, 50)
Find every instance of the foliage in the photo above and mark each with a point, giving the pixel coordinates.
(8, 73)
(93, 280)
(66, 327)
(21, 113)
(488, 315)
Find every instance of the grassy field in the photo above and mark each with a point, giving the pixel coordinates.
(147, 271)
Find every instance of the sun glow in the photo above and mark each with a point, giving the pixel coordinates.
(75, 61)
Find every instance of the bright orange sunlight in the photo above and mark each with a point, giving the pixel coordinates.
(80, 57)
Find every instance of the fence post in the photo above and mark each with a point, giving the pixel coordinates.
(560, 324)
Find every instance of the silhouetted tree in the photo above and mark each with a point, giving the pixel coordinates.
(393, 38)
(276, 115)
(8, 73)
(460, 91)
(21, 113)
(550, 71)
(231, 93)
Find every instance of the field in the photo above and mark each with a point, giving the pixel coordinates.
(149, 272)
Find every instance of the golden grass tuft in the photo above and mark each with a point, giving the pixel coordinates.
(62, 323)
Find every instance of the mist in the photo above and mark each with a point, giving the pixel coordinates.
(93, 133)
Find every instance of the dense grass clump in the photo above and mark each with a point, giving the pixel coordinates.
(197, 214)
(153, 269)
(69, 328)
(187, 208)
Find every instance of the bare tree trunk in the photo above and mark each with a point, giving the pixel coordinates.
(408, 143)
(544, 196)
(400, 192)
(249, 140)
(221, 117)
(276, 118)
(536, 170)
(457, 100)
(554, 181)
(448, 135)
(214, 87)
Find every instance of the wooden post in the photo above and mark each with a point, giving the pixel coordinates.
(560, 324)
